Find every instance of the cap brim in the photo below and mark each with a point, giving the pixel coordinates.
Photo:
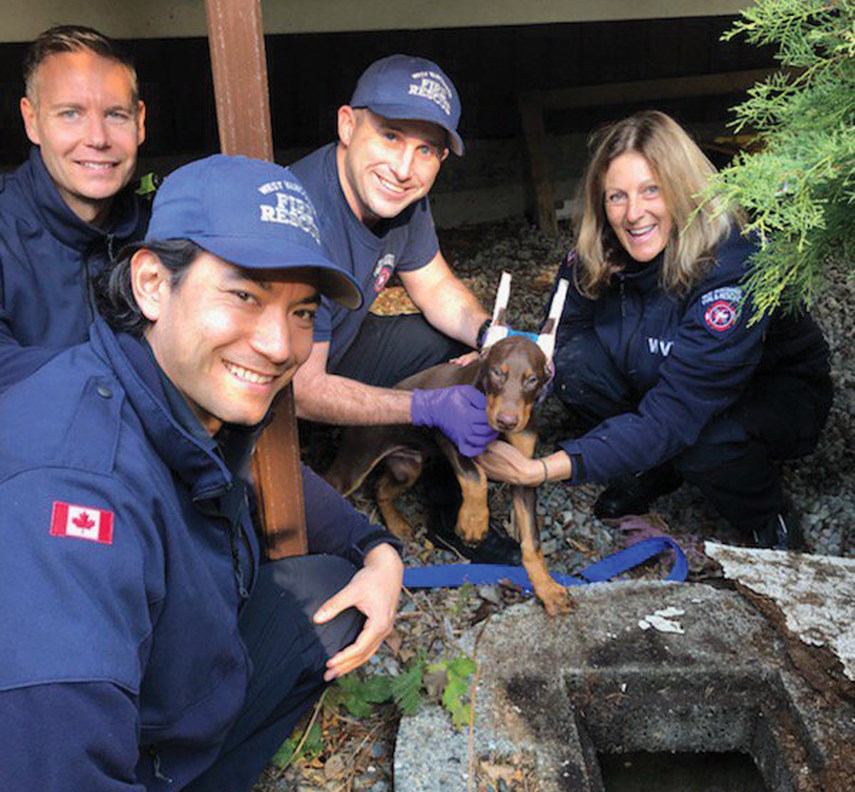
(331, 281)
(405, 113)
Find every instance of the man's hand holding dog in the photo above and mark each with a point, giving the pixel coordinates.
(459, 412)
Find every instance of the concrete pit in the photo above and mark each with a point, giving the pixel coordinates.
(641, 667)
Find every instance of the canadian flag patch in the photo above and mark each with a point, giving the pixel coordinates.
(82, 522)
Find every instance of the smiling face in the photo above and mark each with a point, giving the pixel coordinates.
(384, 164)
(635, 206)
(83, 115)
(229, 339)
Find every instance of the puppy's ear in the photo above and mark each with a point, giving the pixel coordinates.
(483, 382)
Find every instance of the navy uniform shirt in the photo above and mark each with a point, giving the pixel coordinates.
(406, 242)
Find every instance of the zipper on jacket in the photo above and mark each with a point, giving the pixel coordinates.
(639, 318)
(88, 289)
(155, 761)
(238, 570)
(254, 560)
(111, 253)
(88, 285)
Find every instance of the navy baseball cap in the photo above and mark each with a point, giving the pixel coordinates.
(406, 87)
(251, 213)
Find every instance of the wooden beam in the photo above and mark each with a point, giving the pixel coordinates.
(533, 105)
(236, 39)
(647, 90)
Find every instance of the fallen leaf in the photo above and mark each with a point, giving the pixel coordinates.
(394, 641)
(335, 768)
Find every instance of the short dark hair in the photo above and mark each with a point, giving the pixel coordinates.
(74, 38)
(114, 294)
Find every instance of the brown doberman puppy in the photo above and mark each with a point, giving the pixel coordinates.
(512, 374)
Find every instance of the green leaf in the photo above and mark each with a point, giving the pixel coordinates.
(462, 666)
(312, 747)
(800, 185)
(349, 692)
(456, 696)
(377, 689)
(148, 184)
(407, 688)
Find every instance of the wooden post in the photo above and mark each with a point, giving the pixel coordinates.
(236, 39)
(531, 114)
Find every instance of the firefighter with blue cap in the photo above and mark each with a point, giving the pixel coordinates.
(145, 646)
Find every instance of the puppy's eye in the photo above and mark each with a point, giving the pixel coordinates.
(496, 373)
(531, 381)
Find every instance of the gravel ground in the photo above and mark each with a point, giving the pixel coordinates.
(358, 754)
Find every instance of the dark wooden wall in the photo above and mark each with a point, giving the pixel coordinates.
(312, 74)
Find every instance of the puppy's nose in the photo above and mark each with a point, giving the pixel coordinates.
(507, 422)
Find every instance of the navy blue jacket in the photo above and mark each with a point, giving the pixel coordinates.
(128, 551)
(47, 254)
(687, 359)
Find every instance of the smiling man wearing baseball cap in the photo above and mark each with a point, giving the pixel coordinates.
(144, 645)
(370, 189)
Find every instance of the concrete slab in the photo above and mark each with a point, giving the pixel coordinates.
(637, 666)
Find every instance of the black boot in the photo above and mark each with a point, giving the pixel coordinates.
(443, 495)
(781, 532)
(634, 494)
(496, 548)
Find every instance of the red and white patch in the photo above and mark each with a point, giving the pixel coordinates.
(721, 316)
(82, 522)
(382, 279)
(383, 270)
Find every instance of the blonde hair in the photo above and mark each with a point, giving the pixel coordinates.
(74, 38)
(683, 172)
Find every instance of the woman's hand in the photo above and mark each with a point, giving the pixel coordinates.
(502, 462)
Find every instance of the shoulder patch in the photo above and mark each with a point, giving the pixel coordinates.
(720, 308)
(82, 522)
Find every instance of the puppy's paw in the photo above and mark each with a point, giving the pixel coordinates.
(554, 597)
(472, 524)
(398, 526)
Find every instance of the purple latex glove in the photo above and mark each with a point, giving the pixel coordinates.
(459, 412)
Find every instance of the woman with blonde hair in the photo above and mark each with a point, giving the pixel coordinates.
(657, 352)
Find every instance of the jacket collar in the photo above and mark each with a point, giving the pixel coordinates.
(730, 255)
(642, 277)
(124, 220)
(193, 456)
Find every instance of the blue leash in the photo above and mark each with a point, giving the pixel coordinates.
(455, 575)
